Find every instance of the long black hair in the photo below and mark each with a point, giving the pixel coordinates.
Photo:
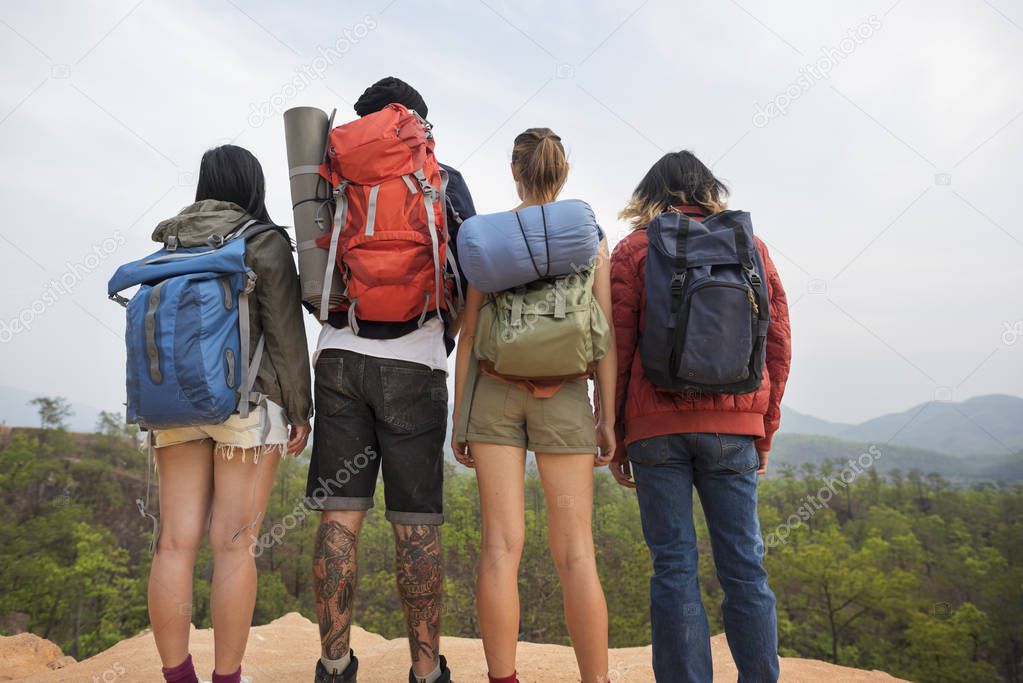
(230, 173)
(676, 178)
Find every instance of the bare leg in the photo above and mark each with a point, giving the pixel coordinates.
(568, 486)
(334, 578)
(500, 476)
(186, 487)
(240, 494)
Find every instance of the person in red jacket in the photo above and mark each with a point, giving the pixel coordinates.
(670, 443)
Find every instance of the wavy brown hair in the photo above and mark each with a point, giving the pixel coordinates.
(677, 178)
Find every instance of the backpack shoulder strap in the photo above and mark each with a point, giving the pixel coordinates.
(250, 229)
(250, 364)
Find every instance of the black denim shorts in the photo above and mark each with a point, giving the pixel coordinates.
(372, 415)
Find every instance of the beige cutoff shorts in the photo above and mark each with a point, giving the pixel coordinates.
(265, 429)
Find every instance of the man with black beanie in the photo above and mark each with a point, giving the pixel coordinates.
(381, 403)
(388, 90)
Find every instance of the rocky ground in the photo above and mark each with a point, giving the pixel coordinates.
(286, 649)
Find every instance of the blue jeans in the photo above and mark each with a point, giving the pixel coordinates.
(723, 468)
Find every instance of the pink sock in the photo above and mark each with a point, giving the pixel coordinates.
(505, 679)
(182, 673)
(236, 677)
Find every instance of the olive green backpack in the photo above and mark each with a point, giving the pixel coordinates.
(547, 329)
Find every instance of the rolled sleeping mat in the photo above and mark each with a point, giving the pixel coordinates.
(499, 251)
(305, 134)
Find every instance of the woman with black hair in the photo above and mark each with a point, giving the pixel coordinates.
(219, 476)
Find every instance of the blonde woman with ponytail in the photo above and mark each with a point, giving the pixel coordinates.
(556, 421)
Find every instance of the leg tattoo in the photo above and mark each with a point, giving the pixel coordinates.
(334, 574)
(420, 576)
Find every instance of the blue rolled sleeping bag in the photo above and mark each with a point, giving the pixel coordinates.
(498, 251)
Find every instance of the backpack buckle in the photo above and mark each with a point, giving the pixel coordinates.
(250, 282)
(215, 241)
(171, 242)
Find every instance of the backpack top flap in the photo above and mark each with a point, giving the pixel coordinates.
(164, 264)
(219, 258)
(385, 144)
(721, 239)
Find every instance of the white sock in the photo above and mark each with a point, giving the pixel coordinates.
(430, 677)
(337, 666)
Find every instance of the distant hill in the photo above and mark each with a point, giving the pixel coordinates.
(985, 425)
(795, 422)
(799, 449)
(981, 425)
(16, 412)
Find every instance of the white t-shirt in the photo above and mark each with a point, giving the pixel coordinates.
(424, 346)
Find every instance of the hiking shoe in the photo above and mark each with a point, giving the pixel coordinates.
(347, 676)
(445, 673)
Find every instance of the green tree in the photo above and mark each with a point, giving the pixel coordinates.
(53, 411)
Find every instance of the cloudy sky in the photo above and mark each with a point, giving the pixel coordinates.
(877, 145)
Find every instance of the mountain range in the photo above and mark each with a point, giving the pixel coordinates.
(968, 442)
(982, 426)
(976, 440)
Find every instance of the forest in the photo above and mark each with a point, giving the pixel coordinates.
(902, 571)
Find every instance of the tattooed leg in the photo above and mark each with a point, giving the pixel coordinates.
(334, 576)
(420, 576)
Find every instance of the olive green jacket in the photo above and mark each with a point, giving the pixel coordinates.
(275, 310)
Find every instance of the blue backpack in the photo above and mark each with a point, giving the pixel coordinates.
(187, 333)
(707, 306)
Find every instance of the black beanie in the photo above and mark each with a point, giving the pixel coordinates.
(388, 90)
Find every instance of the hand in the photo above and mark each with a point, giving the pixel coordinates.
(297, 438)
(460, 448)
(763, 462)
(605, 442)
(622, 473)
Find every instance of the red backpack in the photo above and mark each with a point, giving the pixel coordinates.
(389, 236)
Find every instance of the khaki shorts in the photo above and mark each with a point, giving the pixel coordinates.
(502, 413)
(265, 429)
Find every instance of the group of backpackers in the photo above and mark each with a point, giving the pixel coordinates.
(683, 329)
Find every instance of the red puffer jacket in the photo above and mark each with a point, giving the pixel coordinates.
(644, 411)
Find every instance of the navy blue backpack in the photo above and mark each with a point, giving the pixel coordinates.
(187, 333)
(707, 306)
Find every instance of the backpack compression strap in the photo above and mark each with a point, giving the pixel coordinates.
(746, 250)
(678, 278)
(430, 195)
(340, 214)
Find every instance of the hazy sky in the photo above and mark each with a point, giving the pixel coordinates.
(876, 144)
